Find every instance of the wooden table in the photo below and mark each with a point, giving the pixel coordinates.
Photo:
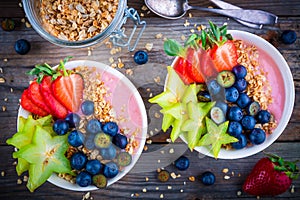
(140, 183)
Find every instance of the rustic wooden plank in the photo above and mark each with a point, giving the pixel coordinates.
(135, 182)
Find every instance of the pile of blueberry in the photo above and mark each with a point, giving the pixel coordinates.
(234, 105)
(102, 136)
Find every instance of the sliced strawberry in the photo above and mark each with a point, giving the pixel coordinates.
(36, 96)
(57, 109)
(68, 90)
(28, 105)
(201, 66)
(181, 67)
(193, 66)
(224, 56)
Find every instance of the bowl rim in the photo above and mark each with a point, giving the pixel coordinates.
(54, 179)
(288, 103)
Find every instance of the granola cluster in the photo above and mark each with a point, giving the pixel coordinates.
(259, 87)
(76, 20)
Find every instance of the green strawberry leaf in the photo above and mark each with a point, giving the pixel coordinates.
(173, 48)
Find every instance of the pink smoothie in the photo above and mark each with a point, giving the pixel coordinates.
(276, 82)
(124, 103)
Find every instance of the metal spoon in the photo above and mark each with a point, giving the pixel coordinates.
(174, 9)
(225, 5)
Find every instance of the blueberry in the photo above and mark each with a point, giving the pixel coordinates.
(110, 170)
(120, 140)
(222, 105)
(241, 84)
(93, 166)
(248, 122)
(217, 115)
(110, 128)
(140, 57)
(234, 128)
(208, 178)
(93, 126)
(235, 113)
(78, 160)
(263, 116)
(257, 136)
(22, 46)
(243, 100)
(73, 119)
(89, 142)
(213, 87)
(253, 108)
(87, 107)
(288, 36)
(231, 94)
(239, 71)
(203, 96)
(108, 153)
(61, 127)
(76, 138)
(182, 163)
(84, 179)
(241, 143)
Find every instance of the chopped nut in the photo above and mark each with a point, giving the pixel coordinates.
(157, 188)
(226, 177)
(157, 115)
(149, 46)
(25, 178)
(149, 141)
(161, 196)
(19, 181)
(192, 178)
(28, 25)
(5, 60)
(239, 193)
(144, 8)
(157, 79)
(3, 108)
(225, 170)
(159, 35)
(293, 189)
(86, 196)
(146, 179)
(181, 190)
(3, 173)
(2, 80)
(171, 151)
(169, 187)
(173, 175)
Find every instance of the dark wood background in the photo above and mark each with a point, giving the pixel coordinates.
(14, 66)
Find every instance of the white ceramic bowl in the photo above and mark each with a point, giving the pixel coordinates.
(283, 93)
(126, 101)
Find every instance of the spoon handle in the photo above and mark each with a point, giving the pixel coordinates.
(251, 16)
(225, 5)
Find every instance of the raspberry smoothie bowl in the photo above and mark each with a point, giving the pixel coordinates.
(81, 125)
(228, 94)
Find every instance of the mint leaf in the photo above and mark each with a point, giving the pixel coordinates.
(173, 48)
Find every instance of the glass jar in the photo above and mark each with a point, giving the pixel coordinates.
(113, 31)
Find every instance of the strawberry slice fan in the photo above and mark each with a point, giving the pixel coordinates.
(202, 62)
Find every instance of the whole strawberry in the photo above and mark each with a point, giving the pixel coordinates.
(270, 176)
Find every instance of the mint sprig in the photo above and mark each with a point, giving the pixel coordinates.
(41, 70)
